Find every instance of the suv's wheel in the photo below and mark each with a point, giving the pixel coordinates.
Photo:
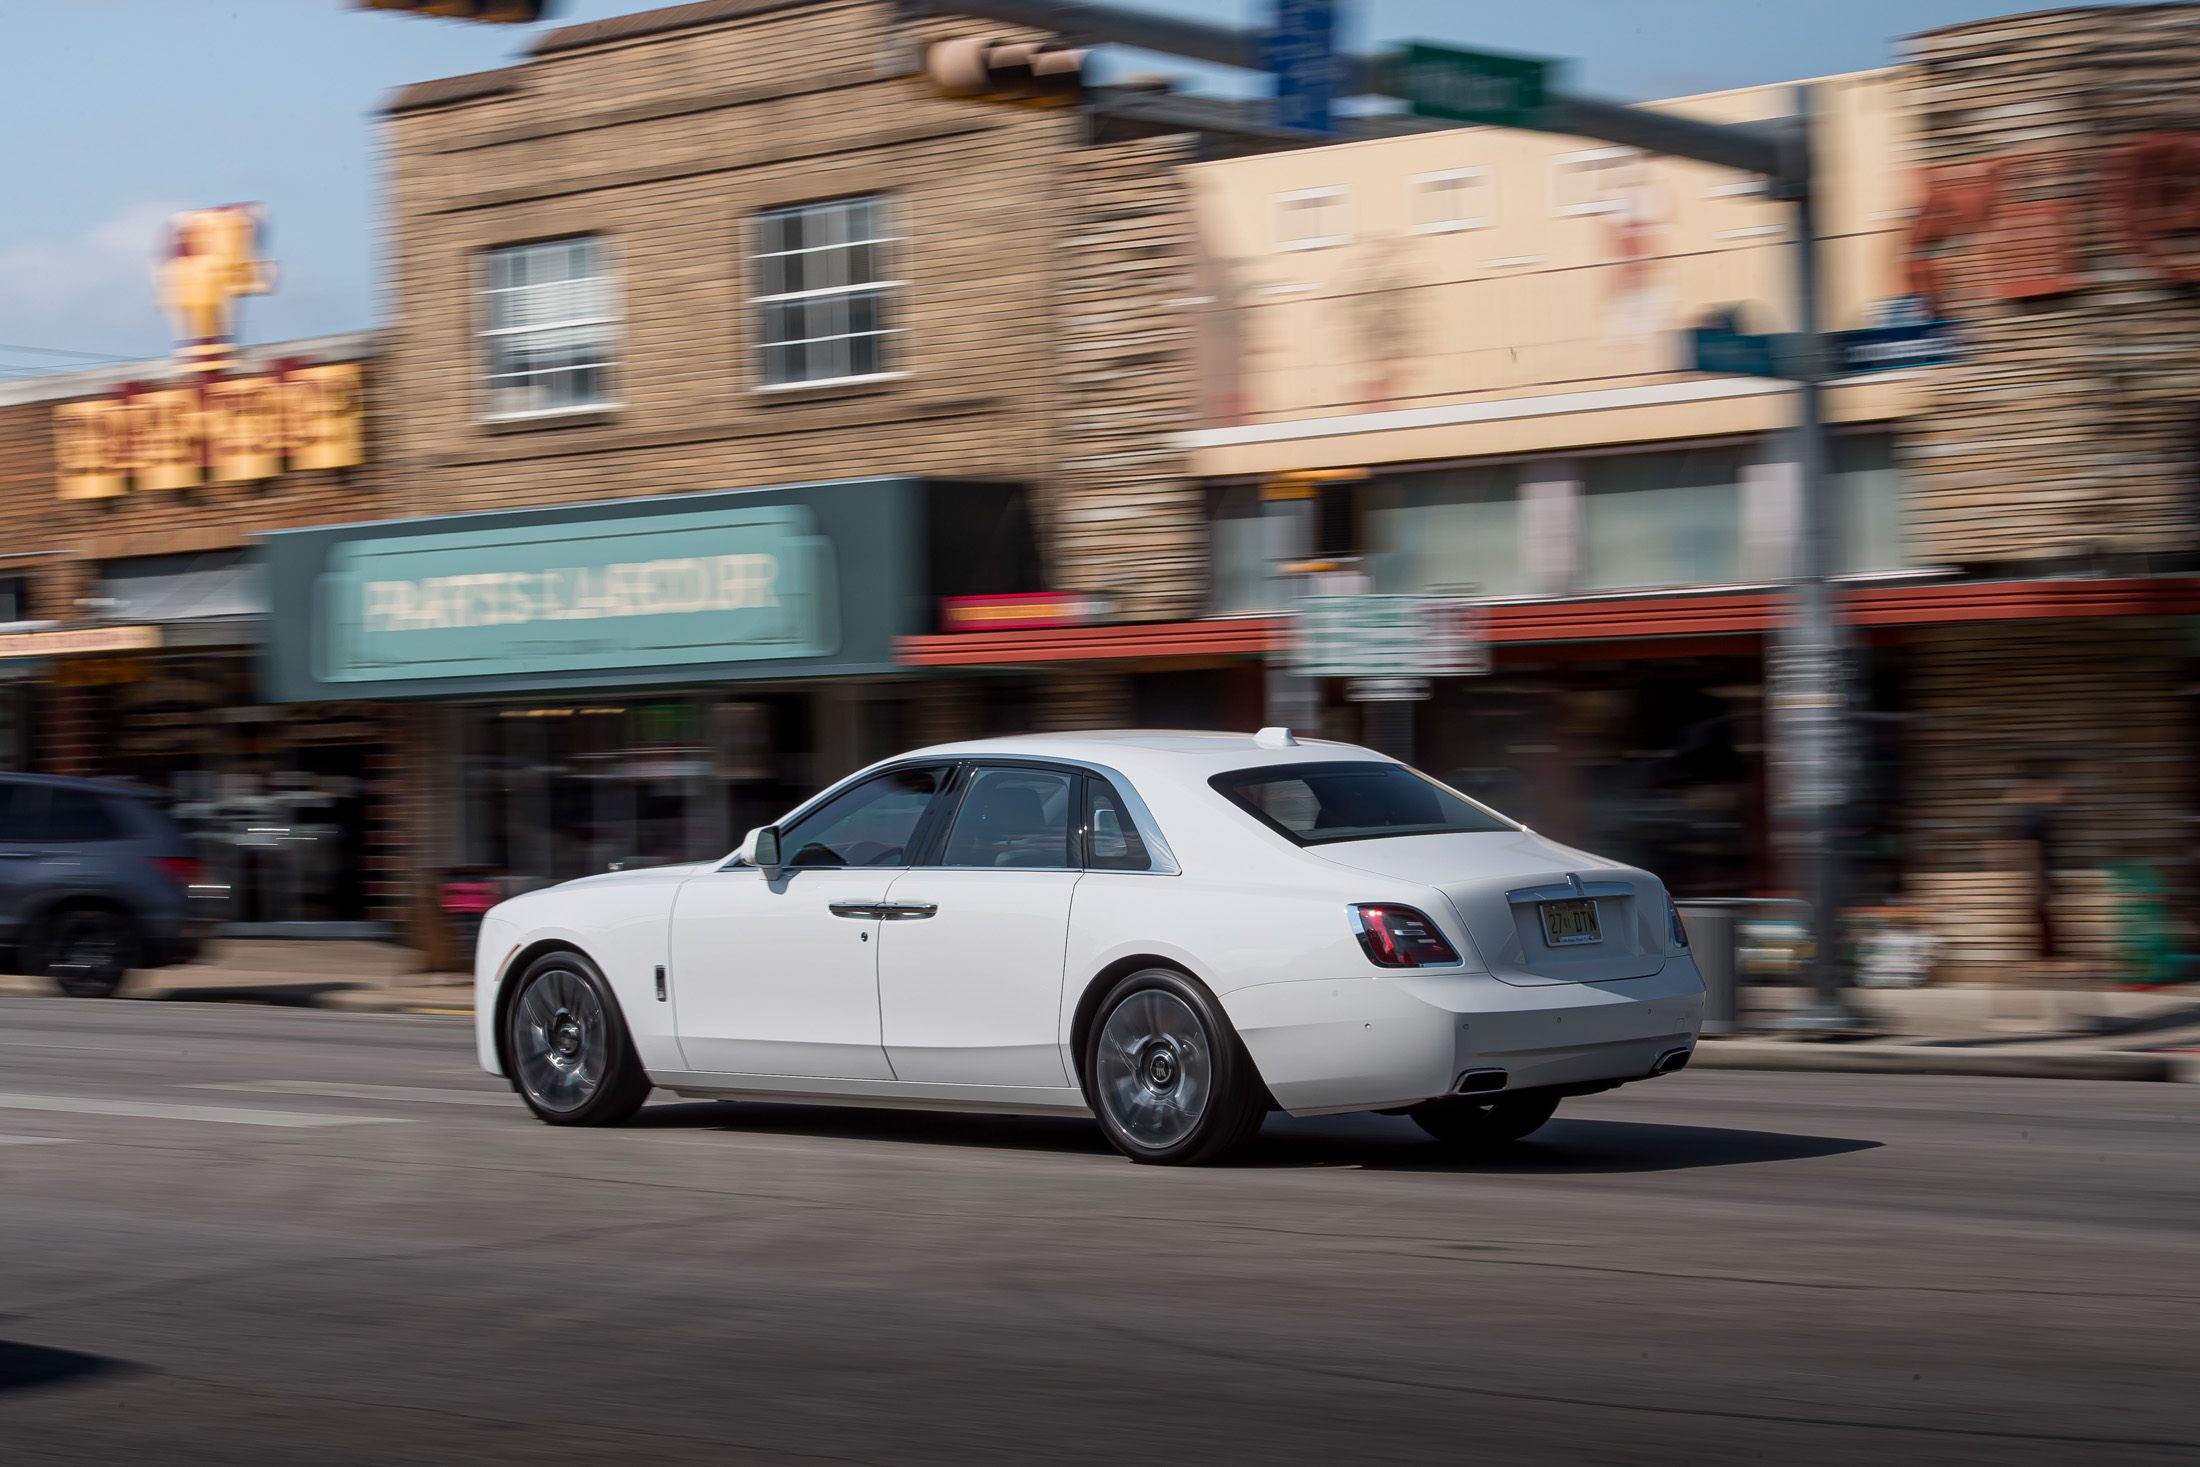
(1474, 1122)
(570, 1057)
(1167, 1075)
(88, 950)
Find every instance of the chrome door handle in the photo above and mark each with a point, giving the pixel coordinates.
(863, 910)
(906, 911)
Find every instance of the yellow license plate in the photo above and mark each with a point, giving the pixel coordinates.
(1567, 923)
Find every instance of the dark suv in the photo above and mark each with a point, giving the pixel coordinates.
(95, 880)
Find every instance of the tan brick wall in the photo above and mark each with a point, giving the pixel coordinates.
(575, 148)
(2067, 429)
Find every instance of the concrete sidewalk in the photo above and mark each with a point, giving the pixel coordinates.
(362, 977)
(2037, 1033)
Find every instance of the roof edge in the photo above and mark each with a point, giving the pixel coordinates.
(445, 90)
(657, 22)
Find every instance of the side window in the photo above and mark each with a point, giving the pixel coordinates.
(870, 825)
(21, 806)
(1014, 817)
(1112, 842)
(78, 816)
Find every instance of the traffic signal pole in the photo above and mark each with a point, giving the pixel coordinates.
(1807, 667)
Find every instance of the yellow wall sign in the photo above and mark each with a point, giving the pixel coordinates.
(225, 431)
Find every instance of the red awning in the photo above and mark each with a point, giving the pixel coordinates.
(1621, 622)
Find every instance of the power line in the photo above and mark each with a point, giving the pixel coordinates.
(56, 351)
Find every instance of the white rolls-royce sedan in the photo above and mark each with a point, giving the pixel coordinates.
(1172, 932)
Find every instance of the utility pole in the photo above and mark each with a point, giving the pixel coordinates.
(1808, 680)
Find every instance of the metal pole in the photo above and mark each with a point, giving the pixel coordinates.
(1809, 685)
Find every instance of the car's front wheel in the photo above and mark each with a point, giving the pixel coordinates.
(1476, 1122)
(1167, 1076)
(88, 951)
(567, 1045)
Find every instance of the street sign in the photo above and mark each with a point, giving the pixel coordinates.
(1470, 86)
(1301, 50)
(1718, 347)
(1389, 637)
(1721, 348)
(1891, 348)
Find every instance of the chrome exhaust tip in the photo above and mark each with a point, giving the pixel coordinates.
(1476, 1082)
(1671, 1060)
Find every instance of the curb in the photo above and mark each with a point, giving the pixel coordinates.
(1908, 1059)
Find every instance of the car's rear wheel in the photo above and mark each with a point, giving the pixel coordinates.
(1167, 1076)
(88, 951)
(1479, 1122)
(570, 1057)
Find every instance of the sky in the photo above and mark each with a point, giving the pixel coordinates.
(119, 112)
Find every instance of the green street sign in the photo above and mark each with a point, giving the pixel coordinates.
(1469, 86)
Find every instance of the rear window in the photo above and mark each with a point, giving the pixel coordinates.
(1315, 804)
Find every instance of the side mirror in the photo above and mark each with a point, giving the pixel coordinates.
(760, 848)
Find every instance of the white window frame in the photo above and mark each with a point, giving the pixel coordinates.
(1561, 163)
(608, 356)
(1447, 226)
(893, 237)
(1341, 195)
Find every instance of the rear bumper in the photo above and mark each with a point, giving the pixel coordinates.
(1378, 1043)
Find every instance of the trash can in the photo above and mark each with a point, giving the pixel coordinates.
(1710, 924)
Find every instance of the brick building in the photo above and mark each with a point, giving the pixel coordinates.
(727, 278)
(134, 617)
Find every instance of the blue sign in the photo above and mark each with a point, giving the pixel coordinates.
(1723, 349)
(1301, 49)
(1891, 348)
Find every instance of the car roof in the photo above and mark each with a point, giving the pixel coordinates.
(1177, 755)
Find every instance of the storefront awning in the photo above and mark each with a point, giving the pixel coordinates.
(1633, 624)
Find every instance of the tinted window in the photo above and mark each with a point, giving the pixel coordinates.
(76, 816)
(1112, 842)
(1013, 817)
(870, 825)
(21, 805)
(1314, 804)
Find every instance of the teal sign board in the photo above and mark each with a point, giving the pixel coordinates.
(789, 582)
(663, 590)
(1469, 86)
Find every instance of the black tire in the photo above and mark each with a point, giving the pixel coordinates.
(566, 1046)
(1484, 1122)
(88, 950)
(1166, 1075)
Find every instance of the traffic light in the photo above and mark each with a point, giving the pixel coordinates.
(1029, 73)
(502, 12)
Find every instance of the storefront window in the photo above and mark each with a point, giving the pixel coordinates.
(1662, 519)
(1867, 494)
(1446, 530)
(558, 791)
(1248, 536)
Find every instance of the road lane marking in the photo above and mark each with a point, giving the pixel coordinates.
(34, 1140)
(89, 1105)
(422, 1094)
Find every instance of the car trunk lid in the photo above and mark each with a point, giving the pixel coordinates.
(1538, 912)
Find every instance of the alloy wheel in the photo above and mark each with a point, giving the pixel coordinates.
(561, 1040)
(1154, 1070)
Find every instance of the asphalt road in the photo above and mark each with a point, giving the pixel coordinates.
(233, 1234)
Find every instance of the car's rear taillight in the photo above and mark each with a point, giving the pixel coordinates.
(182, 870)
(1400, 937)
(1680, 928)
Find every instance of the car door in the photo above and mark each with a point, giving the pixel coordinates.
(970, 953)
(23, 875)
(780, 976)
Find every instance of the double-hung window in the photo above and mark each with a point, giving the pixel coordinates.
(824, 294)
(551, 327)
